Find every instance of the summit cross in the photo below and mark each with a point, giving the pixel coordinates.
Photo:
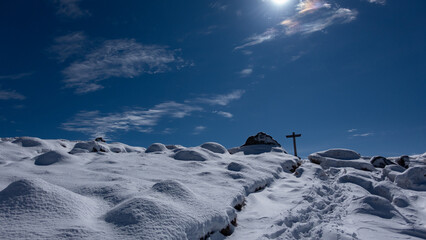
(294, 136)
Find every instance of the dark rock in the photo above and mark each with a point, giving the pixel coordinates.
(403, 161)
(100, 139)
(380, 162)
(261, 139)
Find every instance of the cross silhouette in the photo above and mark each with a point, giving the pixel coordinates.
(294, 136)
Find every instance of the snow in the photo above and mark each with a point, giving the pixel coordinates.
(59, 189)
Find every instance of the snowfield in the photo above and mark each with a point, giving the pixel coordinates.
(60, 189)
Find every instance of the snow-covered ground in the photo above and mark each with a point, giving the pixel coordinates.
(59, 189)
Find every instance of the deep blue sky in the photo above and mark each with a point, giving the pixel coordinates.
(343, 73)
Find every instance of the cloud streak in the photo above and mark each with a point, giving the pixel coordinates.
(10, 95)
(69, 45)
(16, 76)
(123, 58)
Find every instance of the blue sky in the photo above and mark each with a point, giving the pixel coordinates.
(343, 73)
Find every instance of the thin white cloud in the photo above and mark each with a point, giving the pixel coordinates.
(97, 124)
(10, 95)
(69, 45)
(221, 100)
(16, 76)
(352, 130)
(246, 72)
(224, 114)
(363, 135)
(118, 58)
(70, 8)
(198, 130)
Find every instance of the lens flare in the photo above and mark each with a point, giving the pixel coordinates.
(279, 2)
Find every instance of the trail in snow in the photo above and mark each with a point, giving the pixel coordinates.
(316, 204)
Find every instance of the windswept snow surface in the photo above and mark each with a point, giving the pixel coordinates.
(59, 189)
(339, 195)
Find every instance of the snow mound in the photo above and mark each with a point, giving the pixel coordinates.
(390, 171)
(214, 147)
(236, 167)
(156, 147)
(380, 162)
(29, 141)
(340, 158)
(90, 146)
(169, 211)
(413, 178)
(190, 155)
(50, 157)
(174, 189)
(35, 209)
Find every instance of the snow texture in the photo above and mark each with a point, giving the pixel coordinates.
(59, 189)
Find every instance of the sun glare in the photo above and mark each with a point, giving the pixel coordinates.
(279, 2)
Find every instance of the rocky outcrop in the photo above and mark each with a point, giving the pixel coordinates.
(261, 139)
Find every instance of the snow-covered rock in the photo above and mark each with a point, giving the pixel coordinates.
(340, 158)
(190, 155)
(156, 147)
(413, 178)
(90, 146)
(214, 147)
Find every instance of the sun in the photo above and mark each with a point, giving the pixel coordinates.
(279, 2)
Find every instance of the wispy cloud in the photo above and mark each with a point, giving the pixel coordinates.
(70, 8)
(383, 2)
(224, 114)
(268, 35)
(311, 16)
(246, 72)
(124, 58)
(69, 45)
(352, 130)
(198, 130)
(16, 76)
(98, 124)
(221, 100)
(363, 135)
(10, 95)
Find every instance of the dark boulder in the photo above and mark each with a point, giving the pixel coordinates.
(261, 139)
(403, 161)
(380, 162)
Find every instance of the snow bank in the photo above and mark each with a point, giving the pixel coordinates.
(414, 178)
(340, 158)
